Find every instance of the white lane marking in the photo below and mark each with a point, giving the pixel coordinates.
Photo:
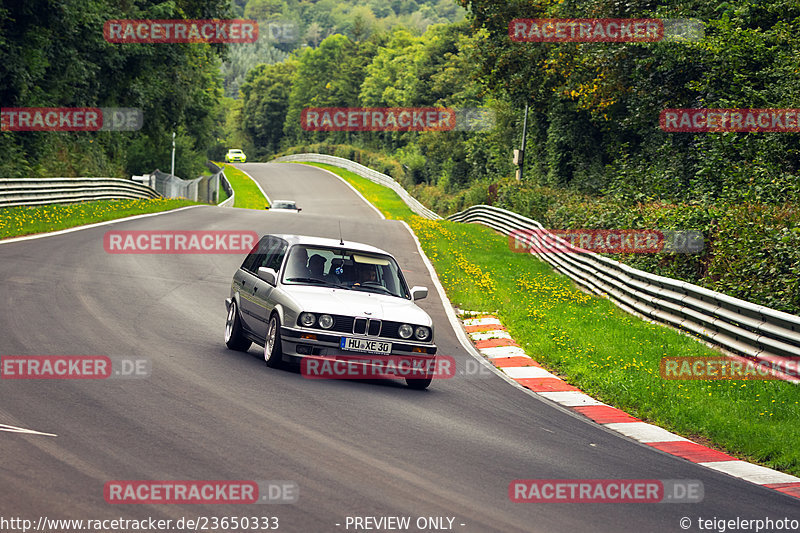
(257, 184)
(570, 398)
(486, 321)
(760, 475)
(96, 224)
(486, 335)
(14, 429)
(526, 372)
(378, 211)
(644, 432)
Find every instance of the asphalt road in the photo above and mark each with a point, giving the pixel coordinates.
(207, 413)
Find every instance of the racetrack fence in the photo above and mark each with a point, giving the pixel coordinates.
(41, 191)
(221, 181)
(752, 331)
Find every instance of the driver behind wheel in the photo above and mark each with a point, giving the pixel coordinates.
(365, 274)
(316, 267)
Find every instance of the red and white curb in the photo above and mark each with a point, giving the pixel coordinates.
(493, 341)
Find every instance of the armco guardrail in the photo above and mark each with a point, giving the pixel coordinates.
(760, 333)
(228, 189)
(753, 331)
(364, 172)
(23, 191)
(219, 174)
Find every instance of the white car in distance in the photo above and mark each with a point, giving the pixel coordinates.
(285, 205)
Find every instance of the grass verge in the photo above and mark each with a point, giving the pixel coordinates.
(247, 193)
(222, 195)
(27, 220)
(593, 345)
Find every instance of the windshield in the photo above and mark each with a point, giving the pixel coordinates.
(345, 269)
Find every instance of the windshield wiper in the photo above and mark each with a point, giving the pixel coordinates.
(370, 287)
(317, 280)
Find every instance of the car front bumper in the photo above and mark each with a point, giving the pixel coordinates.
(301, 343)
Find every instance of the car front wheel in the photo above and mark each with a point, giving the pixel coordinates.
(273, 354)
(234, 336)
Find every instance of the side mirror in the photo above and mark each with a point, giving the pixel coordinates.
(418, 293)
(299, 209)
(268, 275)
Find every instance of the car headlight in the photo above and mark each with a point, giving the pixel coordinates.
(405, 331)
(326, 321)
(307, 319)
(422, 333)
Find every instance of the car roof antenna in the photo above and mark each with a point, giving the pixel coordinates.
(341, 241)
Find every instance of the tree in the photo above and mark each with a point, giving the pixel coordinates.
(329, 76)
(265, 103)
(54, 54)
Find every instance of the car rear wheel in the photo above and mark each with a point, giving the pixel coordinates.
(418, 384)
(234, 336)
(273, 354)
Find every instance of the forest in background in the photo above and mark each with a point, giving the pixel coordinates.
(287, 25)
(53, 54)
(596, 156)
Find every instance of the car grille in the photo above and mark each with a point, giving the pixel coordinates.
(343, 324)
(365, 326)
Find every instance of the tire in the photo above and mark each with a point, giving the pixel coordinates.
(418, 384)
(273, 354)
(234, 336)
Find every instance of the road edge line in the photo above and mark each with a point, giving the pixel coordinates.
(92, 225)
(380, 214)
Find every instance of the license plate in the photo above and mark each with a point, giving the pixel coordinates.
(365, 345)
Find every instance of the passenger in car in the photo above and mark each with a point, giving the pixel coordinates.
(366, 274)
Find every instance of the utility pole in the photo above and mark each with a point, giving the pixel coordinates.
(172, 172)
(524, 137)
